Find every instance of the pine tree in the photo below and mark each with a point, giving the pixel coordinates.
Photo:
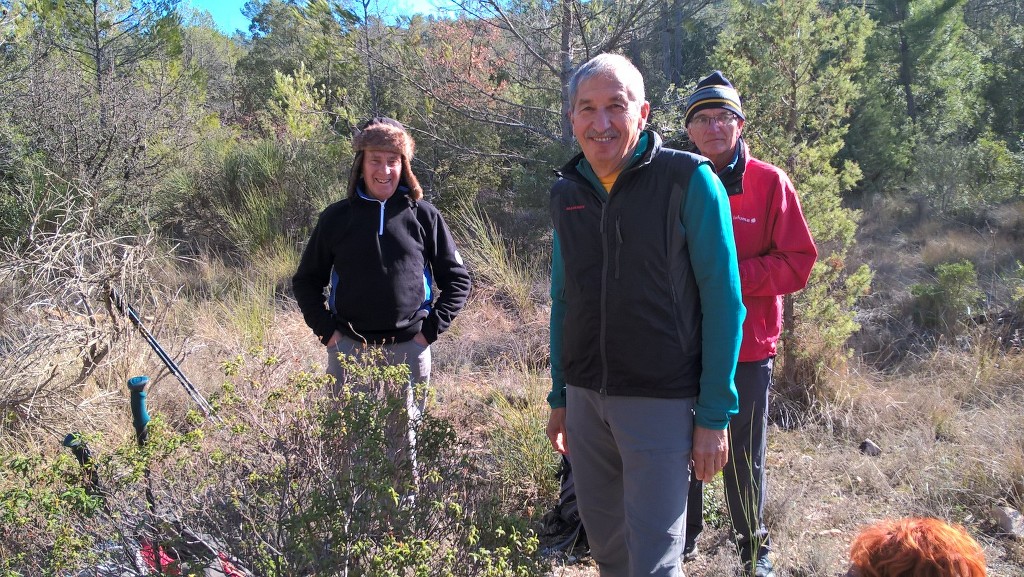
(795, 64)
(922, 128)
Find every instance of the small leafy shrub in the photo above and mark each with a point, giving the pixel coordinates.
(1018, 289)
(285, 480)
(39, 501)
(947, 304)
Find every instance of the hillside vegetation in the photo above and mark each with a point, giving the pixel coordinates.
(145, 154)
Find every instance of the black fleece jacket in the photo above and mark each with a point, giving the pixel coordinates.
(384, 256)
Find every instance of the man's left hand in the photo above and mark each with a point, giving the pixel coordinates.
(421, 340)
(710, 452)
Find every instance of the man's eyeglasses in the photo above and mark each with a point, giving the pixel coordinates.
(723, 119)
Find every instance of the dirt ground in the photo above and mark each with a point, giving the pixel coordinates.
(819, 494)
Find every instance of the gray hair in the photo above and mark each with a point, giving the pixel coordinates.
(614, 65)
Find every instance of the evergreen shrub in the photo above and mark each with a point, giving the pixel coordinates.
(947, 304)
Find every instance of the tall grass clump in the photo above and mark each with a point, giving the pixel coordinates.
(238, 297)
(249, 197)
(248, 309)
(273, 190)
(525, 466)
(495, 261)
(277, 263)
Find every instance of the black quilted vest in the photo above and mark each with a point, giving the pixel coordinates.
(633, 315)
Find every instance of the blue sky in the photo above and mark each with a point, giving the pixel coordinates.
(228, 13)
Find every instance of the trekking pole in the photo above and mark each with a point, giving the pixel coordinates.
(140, 421)
(140, 416)
(194, 393)
(152, 551)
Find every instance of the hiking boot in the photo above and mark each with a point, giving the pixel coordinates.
(689, 550)
(763, 568)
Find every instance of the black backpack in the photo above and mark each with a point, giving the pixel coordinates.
(562, 524)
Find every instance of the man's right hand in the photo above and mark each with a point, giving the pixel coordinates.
(710, 452)
(334, 339)
(556, 430)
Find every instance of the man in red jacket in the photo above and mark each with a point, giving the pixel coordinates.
(776, 253)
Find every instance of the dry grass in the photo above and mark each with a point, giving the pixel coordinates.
(948, 424)
(952, 432)
(938, 247)
(950, 419)
(992, 245)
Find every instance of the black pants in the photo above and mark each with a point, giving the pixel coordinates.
(744, 475)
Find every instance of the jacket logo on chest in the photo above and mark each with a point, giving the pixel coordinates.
(575, 207)
(748, 220)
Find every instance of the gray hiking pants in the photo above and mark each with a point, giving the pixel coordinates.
(631, 464)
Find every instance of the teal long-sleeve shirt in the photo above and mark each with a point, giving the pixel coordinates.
(707, 224)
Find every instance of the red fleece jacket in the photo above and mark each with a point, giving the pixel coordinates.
(775, 252)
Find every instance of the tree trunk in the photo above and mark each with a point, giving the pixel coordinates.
(907, 75)
(565, 72)
(789, 348)
(371, 80)
(97, 54)
(671, 41)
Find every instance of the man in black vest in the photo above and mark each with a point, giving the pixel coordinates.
(645, 323)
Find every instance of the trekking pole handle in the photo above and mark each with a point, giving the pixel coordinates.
(78, 448)
(140, 415)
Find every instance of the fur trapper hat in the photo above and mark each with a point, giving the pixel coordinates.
(388, 134)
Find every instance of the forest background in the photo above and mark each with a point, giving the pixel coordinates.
(145, 153)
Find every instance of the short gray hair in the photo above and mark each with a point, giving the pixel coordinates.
(607, 64)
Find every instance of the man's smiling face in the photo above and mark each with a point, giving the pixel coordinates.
(607, 121)
(381, 172)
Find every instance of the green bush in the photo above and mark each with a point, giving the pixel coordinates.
(948, 304)
(286, 479)
(254, 196)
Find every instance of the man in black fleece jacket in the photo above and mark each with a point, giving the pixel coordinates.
(382, 251)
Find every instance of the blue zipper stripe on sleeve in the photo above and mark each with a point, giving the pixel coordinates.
(334, 291)
(428, 281)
